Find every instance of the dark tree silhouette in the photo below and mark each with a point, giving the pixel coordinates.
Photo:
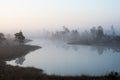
(113, 31)
(66, 29)
(100, 32)
(93, 32)
(19, 36)
(2, 37)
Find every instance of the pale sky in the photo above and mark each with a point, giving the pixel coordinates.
(50, 14)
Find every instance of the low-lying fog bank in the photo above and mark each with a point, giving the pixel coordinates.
(97, 36)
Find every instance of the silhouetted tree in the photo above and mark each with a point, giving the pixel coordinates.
(113, 76)
(2, 37)
(100, 32)
(85, 36)
(93, 32)
(113, 31)
(19, 36)
(66, 29)
(75, 35)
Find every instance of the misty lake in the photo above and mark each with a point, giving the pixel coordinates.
(59, 58)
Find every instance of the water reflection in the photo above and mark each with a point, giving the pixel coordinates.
(101, 49)
(116, 50)
(20, 60)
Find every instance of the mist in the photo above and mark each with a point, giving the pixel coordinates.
(44, 31)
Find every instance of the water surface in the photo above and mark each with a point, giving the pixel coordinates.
(59, 58)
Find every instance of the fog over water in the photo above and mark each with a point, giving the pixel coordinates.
(76, 36)
(56, 57)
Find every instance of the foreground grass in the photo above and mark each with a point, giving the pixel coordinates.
(8, 72)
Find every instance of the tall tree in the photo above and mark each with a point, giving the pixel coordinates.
(2, 36)
(19, 36)
(100, 32)
(93, 32)
(113, 31)
(66, 29)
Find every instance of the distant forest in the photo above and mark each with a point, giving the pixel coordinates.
(94, 36)
(8, 39)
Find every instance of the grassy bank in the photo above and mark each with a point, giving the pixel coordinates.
(8, 72)
(10, 52)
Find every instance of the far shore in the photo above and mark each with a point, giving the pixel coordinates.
(102, 44)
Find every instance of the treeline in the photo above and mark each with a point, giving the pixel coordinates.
(96, 35)
(18, 37)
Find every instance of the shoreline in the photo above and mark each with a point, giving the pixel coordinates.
(10, 52)
(8, 72)
(101, 44)
(11, 49)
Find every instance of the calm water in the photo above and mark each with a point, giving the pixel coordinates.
(63, 59)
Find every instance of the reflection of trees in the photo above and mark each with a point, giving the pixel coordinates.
(101, 49)
(67, 47)
(20, 60)
(116, 49)
(75, 48)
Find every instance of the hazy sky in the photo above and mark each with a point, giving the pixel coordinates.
(39, 14)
